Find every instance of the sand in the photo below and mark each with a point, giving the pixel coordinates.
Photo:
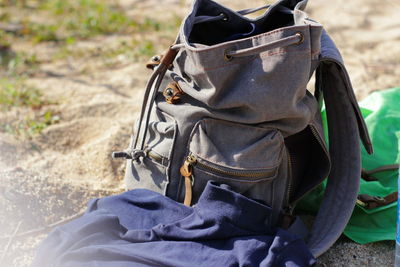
(52, 175)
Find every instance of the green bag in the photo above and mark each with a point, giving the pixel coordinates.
(381, 111)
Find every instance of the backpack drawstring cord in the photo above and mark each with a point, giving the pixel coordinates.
(155, 79)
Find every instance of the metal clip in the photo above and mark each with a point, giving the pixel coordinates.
(137, 153)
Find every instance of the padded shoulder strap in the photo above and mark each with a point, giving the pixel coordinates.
(345, 127)
(331, 59)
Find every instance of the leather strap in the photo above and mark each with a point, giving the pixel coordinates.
(367, 175)
(372, 202)
(188, 191)
(187, 172)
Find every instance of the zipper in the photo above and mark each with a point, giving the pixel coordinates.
(290, 178)
(191, 160)
(256, 174)
(321, 142)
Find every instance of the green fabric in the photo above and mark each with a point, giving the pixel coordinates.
(381, 111)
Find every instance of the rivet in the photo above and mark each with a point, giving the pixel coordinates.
(169, 92)
(172, 93)
(301, 38)
(227, 57)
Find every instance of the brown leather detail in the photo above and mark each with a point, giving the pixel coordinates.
(166, 58)
(169, 56)
(186, 171)
(172, 93)
(367, 175)
(372, 202)
(154, 61)
(392, 197)
(188, 191)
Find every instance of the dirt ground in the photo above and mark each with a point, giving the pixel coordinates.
(53, 174)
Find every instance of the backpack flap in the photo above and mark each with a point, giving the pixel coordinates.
(346, 126)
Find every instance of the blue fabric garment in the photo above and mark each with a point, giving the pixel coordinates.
(144, 228)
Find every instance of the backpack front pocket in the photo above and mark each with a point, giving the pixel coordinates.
(245, 157)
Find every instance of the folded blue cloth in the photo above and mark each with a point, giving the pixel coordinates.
(144, 228)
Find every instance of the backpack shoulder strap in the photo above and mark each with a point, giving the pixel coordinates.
(345, 127)
(331, 60)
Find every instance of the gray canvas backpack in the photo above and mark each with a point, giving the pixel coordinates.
(228, 102)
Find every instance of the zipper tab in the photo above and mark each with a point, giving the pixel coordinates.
(186, 169)
(186, 172)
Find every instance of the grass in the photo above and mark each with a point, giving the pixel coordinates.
(87, 18)
(78, 19)
(14, 93)
(17, 95)
(68, 22)
(73, 30)
(17, 63)
(31, 125)
(39, 123)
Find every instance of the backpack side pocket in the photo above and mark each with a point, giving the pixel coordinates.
(152, 171)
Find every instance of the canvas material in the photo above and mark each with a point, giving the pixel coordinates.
(249, 114)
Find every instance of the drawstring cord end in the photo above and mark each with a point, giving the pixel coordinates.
(134, 154)
(120, 154)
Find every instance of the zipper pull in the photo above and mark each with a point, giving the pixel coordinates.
(186, 171)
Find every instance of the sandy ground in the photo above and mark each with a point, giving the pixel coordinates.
(53, 175)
